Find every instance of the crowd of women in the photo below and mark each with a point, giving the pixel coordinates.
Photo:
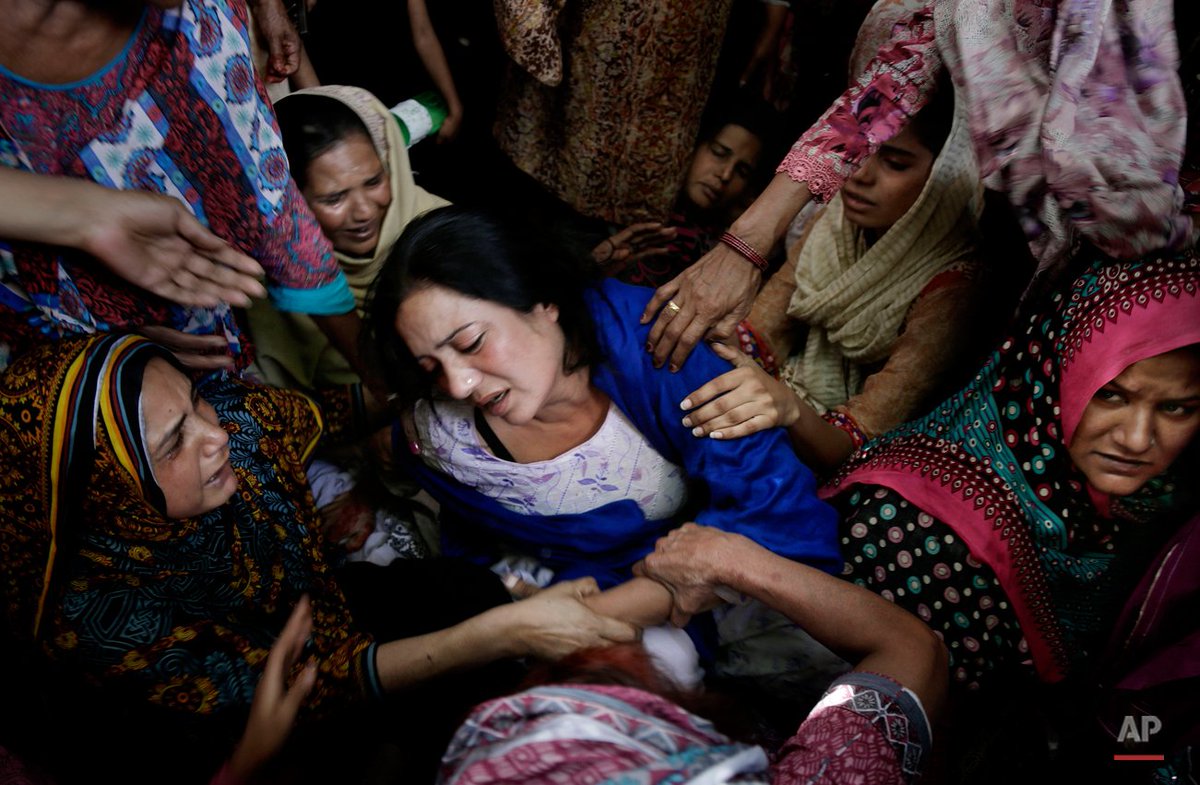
(909, 428)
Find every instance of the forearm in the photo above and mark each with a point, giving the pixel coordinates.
(344, 332)
(855, 623)
(474, 642)
(46, 209)
(433, 57)
(823, 447)
(766, 220)
(639, 601)
(305, 76)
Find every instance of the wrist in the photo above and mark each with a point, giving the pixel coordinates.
(766, 220)
(502, 630)
(74, 210)
(745, 250)
(732, 569)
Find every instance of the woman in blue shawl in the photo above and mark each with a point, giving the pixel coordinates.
(535, 417)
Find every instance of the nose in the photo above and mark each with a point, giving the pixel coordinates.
(459, 382)
(1135, 433)
(726, 171)
(866, 173)
(361, 209)
(214, 438)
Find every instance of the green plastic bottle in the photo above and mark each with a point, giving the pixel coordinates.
(419, 116)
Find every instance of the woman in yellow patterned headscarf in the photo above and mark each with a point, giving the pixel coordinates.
(187, 608)
(154, 537)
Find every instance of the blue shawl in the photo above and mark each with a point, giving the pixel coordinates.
(753, 486)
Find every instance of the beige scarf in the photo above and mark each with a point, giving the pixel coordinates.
(854, 298)
(291, 350)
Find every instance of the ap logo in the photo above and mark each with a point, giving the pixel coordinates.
(1138, 729)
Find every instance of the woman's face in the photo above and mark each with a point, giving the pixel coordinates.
(349, 192)
(188, 448)
(504, 361)
(888, 183)
(1135, 426)
(721, 168)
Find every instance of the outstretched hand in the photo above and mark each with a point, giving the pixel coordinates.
(275, 706)
(152, 241)
(740, 402)
(633, 243)
(708, 298)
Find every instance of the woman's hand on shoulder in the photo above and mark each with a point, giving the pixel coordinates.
(554, 622)
(740, 402)
(708, 298)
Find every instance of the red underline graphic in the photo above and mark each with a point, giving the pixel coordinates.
(1138, 757)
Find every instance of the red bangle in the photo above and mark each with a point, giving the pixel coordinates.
(847, 424)
(743, 248)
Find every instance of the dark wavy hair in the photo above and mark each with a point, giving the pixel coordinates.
(479, 255)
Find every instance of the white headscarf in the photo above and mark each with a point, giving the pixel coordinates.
(854, 298)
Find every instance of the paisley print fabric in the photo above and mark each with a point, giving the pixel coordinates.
(991, 461)
(180, 613)
(1088, 141)
(613, 139)
(181, 113)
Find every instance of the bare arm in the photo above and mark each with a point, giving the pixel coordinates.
(764, 59)
(716, 292)
(148, 239)
(280, 36)
(344, 332)
(549, 625)
(639, 601)
(695, 561)
(429, 49)
(305, 76)
(747, 400)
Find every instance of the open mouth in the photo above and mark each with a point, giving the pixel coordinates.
(362, 233)
(493, 403)
(856, 202)
(221, 475)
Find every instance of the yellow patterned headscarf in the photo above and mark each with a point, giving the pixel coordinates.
(67, 408)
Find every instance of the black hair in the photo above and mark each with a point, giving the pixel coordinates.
(312, 124)
(932, 124)
(755, 115)
(477, 254)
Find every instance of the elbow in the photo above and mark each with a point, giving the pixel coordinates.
(937, 673)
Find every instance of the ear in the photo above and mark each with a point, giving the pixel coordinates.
(549, 311)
